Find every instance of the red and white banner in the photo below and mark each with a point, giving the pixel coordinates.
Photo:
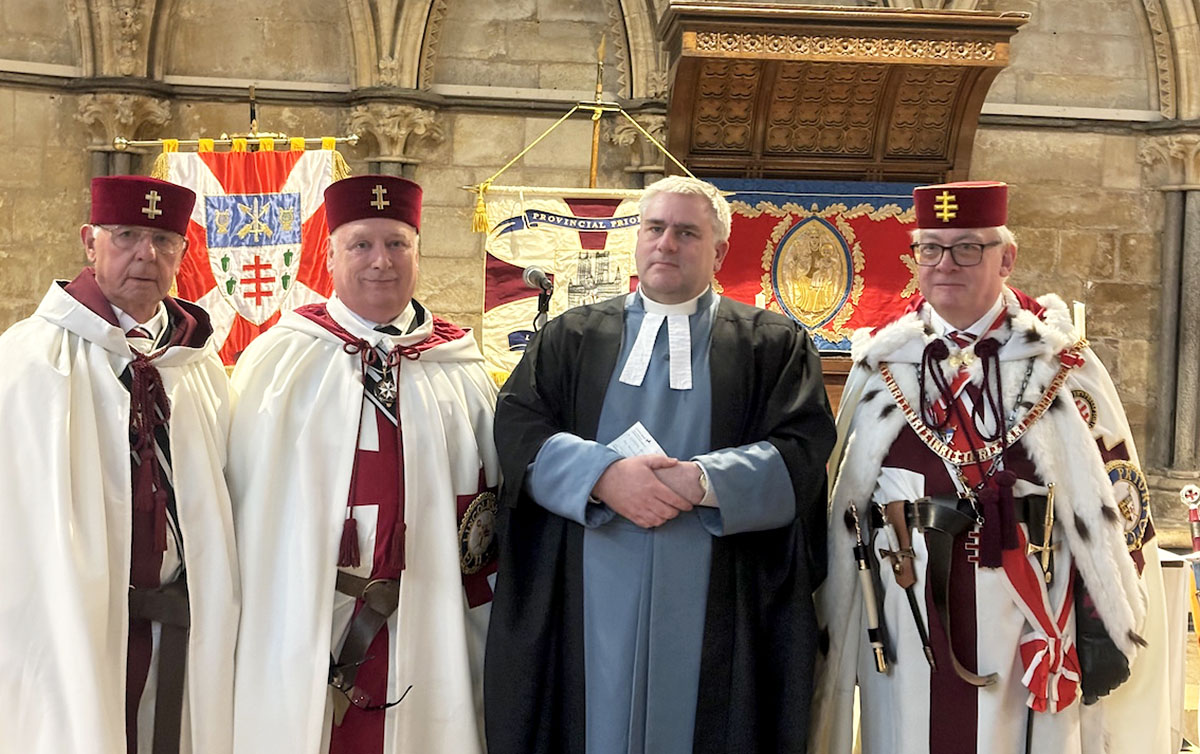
(256, 237)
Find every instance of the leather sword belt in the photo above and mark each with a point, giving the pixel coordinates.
(943, 518)
(168, 606)
(380, 598)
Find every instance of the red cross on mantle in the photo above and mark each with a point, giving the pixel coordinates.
(257, 279)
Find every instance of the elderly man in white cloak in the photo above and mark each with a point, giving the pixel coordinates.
(118, 611)
(988, 492)
(361, 467)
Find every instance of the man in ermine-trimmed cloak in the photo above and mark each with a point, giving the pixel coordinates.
(361, 458)
(118, 611)
(1012, 600)
(662, 516)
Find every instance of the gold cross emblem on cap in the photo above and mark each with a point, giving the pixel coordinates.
(945, 206)
(151, 210)
(379, 191)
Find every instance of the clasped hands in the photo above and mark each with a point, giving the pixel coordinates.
(650, 490)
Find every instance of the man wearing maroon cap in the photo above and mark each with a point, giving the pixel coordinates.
(119, 614)
(361, 468)
(986, 464)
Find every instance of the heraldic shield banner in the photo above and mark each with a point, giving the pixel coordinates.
(256, 237)
(831, 255)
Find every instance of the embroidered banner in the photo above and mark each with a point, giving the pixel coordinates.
(582, 239)
(832, 256)
(256, 236)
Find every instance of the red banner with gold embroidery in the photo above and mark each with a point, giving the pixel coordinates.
(832, 256)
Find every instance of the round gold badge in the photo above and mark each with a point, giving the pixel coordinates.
(477, 534)
(1133, 499)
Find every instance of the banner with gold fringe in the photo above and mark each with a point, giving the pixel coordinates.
(831, 255)
(257, 234)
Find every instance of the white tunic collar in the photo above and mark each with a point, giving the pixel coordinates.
(153, 327)
(942, 327)
(361, 327)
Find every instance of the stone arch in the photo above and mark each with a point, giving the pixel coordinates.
(1178, 37)
(647, 61)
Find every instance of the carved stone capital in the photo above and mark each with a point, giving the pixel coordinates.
(112, 114)
(641, 151)
(397, 129)
(656, 85)
(1172, 160)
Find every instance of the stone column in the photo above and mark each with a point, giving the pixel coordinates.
(400, 133)
(1173, 459)
(112, 114)
(1187, 387)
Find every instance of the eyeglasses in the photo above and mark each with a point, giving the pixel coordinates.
(126, 238)
(963, 254)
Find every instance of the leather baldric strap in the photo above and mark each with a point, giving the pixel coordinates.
(168, 606)
(380, 598)
(941, 521)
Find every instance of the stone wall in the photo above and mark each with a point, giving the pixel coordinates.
(1087, 230)
(43, 195)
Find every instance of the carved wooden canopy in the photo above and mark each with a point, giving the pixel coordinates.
(787, 91)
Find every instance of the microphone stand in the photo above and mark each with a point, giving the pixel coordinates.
(543, 308)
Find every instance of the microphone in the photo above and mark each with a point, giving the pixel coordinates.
(535, 277)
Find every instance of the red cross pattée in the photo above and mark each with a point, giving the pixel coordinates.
(257, 279)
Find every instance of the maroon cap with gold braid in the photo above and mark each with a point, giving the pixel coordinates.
(365, 196)
(142, 201)
(966, 204)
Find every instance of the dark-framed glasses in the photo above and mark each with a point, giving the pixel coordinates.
(127, 238)
(963, 254)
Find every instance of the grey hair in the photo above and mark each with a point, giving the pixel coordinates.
(681, 184)
(1007, 237)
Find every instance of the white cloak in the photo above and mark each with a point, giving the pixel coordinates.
(292, 447)
(66, 527)
(1134, 717)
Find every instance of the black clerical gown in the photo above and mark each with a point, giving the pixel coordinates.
(760, 631)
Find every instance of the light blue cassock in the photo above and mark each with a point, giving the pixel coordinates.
(645, 590)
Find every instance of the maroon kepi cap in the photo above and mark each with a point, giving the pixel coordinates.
(138, 200)
(967, 204)
(365, 196)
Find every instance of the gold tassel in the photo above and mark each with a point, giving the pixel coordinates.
(479, 221)
(161, 167)
(340, 168)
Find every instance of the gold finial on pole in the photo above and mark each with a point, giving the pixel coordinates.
(596, 113)
(253, 113)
